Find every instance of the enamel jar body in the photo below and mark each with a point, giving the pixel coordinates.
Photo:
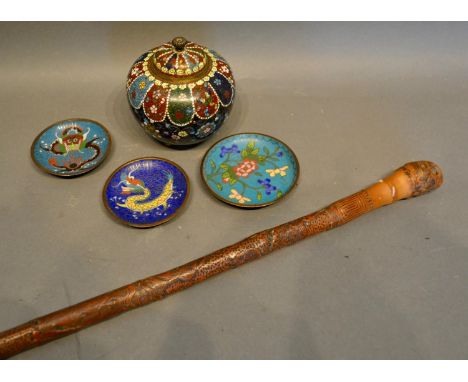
(180, 92)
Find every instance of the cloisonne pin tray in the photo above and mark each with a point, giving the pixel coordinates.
(71, 147)
(250, 170)
(146, 192)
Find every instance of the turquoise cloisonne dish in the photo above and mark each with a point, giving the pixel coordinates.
(250, 170)
(71, 147)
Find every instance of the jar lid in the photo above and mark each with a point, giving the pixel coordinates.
(180, 58)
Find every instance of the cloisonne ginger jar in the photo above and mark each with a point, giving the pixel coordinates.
(180, 92)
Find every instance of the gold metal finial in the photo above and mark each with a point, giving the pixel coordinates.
(179, 43)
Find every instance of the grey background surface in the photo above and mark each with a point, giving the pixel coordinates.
(353, 100)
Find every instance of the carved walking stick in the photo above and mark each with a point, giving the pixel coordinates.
(412, 179)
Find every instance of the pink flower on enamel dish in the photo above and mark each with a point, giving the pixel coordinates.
(245, 168)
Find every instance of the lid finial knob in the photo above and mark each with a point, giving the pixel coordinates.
(179, 43)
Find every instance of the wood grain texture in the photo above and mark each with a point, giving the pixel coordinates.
(412, 179)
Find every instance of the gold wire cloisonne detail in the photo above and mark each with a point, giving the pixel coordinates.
(204, 74)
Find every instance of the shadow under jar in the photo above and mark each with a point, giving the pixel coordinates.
(180, 92)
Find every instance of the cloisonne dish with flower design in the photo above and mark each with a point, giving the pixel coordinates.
(250, 170)
(180, 92)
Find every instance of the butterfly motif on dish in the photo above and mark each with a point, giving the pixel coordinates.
(277, 171)
(235, 195)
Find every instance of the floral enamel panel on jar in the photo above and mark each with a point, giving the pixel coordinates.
(250, 170)
(180, 92)
(71, 147)
(146, 192)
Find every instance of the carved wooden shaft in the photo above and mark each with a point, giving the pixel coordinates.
(413, 179)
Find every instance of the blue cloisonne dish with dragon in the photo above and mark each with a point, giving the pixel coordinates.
(250, 170)
(146, 192)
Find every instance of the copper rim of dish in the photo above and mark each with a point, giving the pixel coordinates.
(104, 156)
(252, 206)
(147, 225)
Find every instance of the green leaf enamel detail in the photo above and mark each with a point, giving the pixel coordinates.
(180, 108)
